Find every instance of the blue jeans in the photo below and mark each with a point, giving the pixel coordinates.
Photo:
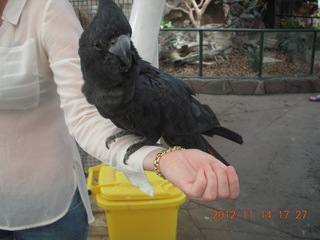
(72, 226)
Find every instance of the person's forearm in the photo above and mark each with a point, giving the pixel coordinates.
(148, 161)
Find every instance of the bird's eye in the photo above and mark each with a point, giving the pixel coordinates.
(97, 45)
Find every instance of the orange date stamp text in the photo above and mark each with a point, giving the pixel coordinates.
(263, 214)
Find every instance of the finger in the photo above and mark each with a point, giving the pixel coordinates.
(233, 182)
(223, 182)
(210, 193)
(220, 164)
(196, 189)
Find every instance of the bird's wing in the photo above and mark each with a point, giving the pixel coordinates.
(164, 104)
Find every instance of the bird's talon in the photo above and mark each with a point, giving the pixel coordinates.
(110, 140)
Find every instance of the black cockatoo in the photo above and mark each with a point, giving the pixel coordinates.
(137, 97)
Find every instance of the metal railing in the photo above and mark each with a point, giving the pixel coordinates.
(261, 48)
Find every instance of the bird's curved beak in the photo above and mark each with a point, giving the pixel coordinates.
(122, 49)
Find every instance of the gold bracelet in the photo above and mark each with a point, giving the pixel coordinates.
(157, 159)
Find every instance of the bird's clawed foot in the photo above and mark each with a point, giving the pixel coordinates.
(113, 138)
(135, 146)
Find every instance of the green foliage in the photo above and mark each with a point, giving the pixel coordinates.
(245, 12)
(291, 23)
(254, 56)
(315, 27)
(293, 43)
(165, 24)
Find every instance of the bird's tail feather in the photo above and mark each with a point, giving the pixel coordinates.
(213, 152)
(226, 133)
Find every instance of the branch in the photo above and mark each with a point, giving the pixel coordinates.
(201, 3)
(177, 8)
(195, 5)
(190, 7)
(205, 5)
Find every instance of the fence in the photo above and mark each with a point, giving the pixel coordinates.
(86, 9)
(292, 42)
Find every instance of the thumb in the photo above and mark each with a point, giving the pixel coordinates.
(196, 188)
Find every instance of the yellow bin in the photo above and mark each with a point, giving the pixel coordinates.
(132, 214)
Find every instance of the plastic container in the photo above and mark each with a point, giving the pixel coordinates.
(132, 214)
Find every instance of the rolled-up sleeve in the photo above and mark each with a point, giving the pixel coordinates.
(83, 120)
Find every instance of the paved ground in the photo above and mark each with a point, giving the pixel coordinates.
(278, 166)
(279, 170)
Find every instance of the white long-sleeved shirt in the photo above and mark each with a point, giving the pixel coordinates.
(42, 110)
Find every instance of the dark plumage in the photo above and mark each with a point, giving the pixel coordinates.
(137, 97)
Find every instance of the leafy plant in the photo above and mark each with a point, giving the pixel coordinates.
(290, 23)
(165, 24)
(293, 44)
(254, 56)
(315, 27)
(244, 13)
